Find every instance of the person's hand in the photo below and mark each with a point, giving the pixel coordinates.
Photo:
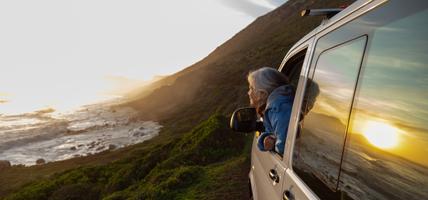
(269, 142)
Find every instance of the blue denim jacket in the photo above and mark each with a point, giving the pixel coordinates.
(277, 116)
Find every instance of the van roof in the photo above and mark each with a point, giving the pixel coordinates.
(329, 22)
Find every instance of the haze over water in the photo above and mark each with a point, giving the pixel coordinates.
(63, 55)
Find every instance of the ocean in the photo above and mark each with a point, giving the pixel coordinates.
(48, 136)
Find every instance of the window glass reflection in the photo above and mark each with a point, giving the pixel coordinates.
(387, 144)
(318, 149)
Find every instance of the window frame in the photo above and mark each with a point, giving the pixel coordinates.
(308, 45)
(311, 72)
(300, 53)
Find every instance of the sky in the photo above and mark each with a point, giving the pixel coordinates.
(62, 54)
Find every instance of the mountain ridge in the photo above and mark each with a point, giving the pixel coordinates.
(262, 43)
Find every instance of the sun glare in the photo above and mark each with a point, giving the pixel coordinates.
(381, 135)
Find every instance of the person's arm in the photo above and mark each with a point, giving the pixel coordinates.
(280, 118)
(260, 141)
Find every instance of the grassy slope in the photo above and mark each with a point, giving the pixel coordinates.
(180, 102)
(186, 168)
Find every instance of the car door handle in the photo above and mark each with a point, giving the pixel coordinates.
(274, 175)
(287, 195)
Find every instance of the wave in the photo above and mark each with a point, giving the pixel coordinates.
(90, 130)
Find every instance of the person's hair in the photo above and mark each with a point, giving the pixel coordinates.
(266, 79)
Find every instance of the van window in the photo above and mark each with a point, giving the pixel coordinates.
(387, 145)
(293, 67)
(327, 103)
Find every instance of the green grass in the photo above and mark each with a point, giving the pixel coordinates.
(193, 167)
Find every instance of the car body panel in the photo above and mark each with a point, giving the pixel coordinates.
(262, 162)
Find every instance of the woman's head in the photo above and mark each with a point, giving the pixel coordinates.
(262, 82)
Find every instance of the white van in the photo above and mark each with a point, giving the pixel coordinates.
(365, 132)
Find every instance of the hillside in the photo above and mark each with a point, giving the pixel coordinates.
(195, 152)
(218, 82)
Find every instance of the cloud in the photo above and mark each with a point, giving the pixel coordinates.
(247, 7)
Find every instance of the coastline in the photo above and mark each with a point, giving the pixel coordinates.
(89, 130)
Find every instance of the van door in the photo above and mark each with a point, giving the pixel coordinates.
(386, 150)
(324, 116)
(320, 129)
(392, 75)
(267, 172)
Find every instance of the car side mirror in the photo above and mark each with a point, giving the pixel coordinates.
(245, 120)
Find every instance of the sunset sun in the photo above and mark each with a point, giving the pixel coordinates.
(381, 135)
